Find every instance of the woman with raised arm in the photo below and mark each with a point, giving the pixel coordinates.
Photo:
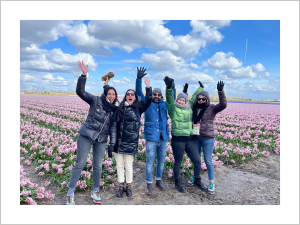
(204, 114)
(181, 114)
(99, 123)
(128, 135)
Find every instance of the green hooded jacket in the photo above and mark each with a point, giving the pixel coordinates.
(182, 119)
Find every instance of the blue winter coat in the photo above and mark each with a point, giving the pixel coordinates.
(152, 126)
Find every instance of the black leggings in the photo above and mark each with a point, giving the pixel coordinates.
(191, 150)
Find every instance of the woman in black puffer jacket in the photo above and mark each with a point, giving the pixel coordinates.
(94, 132)
(128, 135)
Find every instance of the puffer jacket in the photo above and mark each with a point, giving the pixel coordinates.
(182, 119)
(156, 119)
(207, 121)
(128, 128)
(98, 120)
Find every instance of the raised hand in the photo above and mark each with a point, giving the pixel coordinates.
(201, 85)
(141, 72)
(106, 81)
(147, 82)
(185, 87)
(83, 67)
(220, 85)
(168, 81)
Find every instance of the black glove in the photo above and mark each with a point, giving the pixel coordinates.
(220, 85)
(185, 87)
(110, 151)
(168, 81)
(201, 85)
(141, 72)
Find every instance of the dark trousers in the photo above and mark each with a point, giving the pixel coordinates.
(191, 150)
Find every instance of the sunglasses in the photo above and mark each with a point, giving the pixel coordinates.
(199, 99)
(157, 95)
(128, 94)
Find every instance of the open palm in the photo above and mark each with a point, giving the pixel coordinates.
(83, 67)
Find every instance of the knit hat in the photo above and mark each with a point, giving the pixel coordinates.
(157, 90)
(182, 95)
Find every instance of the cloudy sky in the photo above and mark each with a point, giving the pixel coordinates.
(245, 54)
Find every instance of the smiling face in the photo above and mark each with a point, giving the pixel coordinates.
(111, 95)
(130, 97)
(181, 101)
(201, 99)
(156, 96)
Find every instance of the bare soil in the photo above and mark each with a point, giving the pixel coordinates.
(252, 183)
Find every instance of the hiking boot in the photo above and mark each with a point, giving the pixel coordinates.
(121, 190)
(179, 186)
(128, 190)
(149, 189)
(70, 199)
(197, 183)
(211, 188)
(191, 181)
(160, 185)
(96, 197)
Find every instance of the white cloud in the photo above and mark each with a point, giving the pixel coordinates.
(185, 75)
(244, 72)
(218, 23)
(258, 67)
(221, 60)
(163, 60)
(205, 32)
(195, 66)
(124, 80)
(40, 32)
(26, 77)
(35, 59)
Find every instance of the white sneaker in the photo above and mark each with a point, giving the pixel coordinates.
(96, 197)
(70, 199)
(211, 188)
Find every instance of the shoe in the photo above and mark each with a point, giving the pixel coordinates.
(70, 199)
(197, 182)
(96, 197)
(211, 188)
(149, 189)
(128, 190)
(160, 185)
(120, 191)
(179, 186)
(191, 181)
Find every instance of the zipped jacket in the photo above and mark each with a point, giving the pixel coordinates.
(182, 119)
(156, 118)
(129, 127)
(98, 120)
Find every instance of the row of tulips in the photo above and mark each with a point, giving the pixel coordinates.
(48, 134)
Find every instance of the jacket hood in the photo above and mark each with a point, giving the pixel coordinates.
(206, 95)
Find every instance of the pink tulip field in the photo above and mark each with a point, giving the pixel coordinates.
(48, 134)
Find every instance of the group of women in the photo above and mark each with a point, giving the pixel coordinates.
(121, 121)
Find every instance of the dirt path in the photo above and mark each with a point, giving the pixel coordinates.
(253, 183)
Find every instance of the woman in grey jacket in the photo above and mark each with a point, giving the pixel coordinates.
(204, 114)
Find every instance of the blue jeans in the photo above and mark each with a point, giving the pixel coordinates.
(153, 147)
(207, 144)
(83, 148)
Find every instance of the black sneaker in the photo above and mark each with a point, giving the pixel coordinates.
(197, 183)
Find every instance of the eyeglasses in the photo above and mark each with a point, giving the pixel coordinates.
(157, 95)
(128, 94)
(203, 99)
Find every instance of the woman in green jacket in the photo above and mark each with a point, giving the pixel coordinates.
(181, 114)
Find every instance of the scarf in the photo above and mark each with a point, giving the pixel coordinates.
(183, 106)
(197, 117)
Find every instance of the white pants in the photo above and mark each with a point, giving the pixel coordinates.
(128, 160)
